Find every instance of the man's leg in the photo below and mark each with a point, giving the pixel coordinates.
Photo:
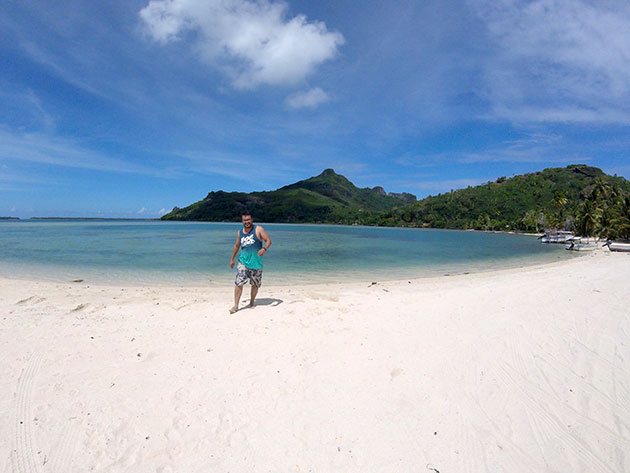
(252, 297)
(255, 279)
(238, 290)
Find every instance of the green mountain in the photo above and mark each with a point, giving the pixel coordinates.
(577, 197)
(552, 198)
(327, 198)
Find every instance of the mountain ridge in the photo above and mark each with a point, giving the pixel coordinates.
(553, 197)
(319, 199)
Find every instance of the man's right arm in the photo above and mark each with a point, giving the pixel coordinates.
(237, 246)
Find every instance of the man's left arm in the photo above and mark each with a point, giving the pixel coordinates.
(264, 237)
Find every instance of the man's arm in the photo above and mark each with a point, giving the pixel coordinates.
(237, 246)
(263, 236)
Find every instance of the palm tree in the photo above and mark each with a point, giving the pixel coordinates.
(560, 201)
(530, 220)
(601, 189)
(620, 223)
(587, 219)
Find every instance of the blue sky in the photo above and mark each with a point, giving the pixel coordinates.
(128, 108)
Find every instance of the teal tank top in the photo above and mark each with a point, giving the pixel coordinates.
(250, 245)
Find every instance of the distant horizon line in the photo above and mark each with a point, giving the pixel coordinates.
(79, 218)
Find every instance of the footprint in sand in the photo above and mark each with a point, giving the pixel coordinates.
(26, 455)
(32, 300)
(395, 373)
(23, 454)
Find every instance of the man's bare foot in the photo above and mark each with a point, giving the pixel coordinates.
(233, 310)
(251, 305)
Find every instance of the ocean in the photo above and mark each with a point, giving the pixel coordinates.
(187, 253)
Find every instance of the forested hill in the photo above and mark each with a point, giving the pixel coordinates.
(578, 197)
(326, 198)
(568, 198)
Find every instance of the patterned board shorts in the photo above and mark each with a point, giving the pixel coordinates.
(244, 274)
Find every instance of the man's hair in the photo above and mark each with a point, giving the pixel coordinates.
(245, 212)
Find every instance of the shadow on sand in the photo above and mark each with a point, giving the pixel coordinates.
(266, 301)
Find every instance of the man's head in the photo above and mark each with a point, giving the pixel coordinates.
(247, 220)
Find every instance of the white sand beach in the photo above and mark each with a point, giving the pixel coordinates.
(524, 370)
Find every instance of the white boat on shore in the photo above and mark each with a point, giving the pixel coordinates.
(556, 236)
(582, 244)
(618, 245)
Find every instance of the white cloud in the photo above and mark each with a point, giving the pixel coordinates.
(545, 148)
(141, 211)
(223, 163)
(533, 148)
(307, 99)
(253, 42)
(557, 60)
(48, 149)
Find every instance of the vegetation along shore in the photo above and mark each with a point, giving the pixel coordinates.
(578, 197)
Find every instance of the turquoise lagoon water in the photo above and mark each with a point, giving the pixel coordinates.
(155, 252)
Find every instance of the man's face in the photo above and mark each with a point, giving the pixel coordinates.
(247, 221)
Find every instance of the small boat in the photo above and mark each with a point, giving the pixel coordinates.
(556, 236)
(582, 244)
(618, 245)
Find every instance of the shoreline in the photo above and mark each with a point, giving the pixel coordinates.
(522, 369)
(37, 274)
(237, 222)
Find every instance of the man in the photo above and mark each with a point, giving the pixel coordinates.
(250, 241)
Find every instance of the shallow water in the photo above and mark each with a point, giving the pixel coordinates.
(158, 252)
